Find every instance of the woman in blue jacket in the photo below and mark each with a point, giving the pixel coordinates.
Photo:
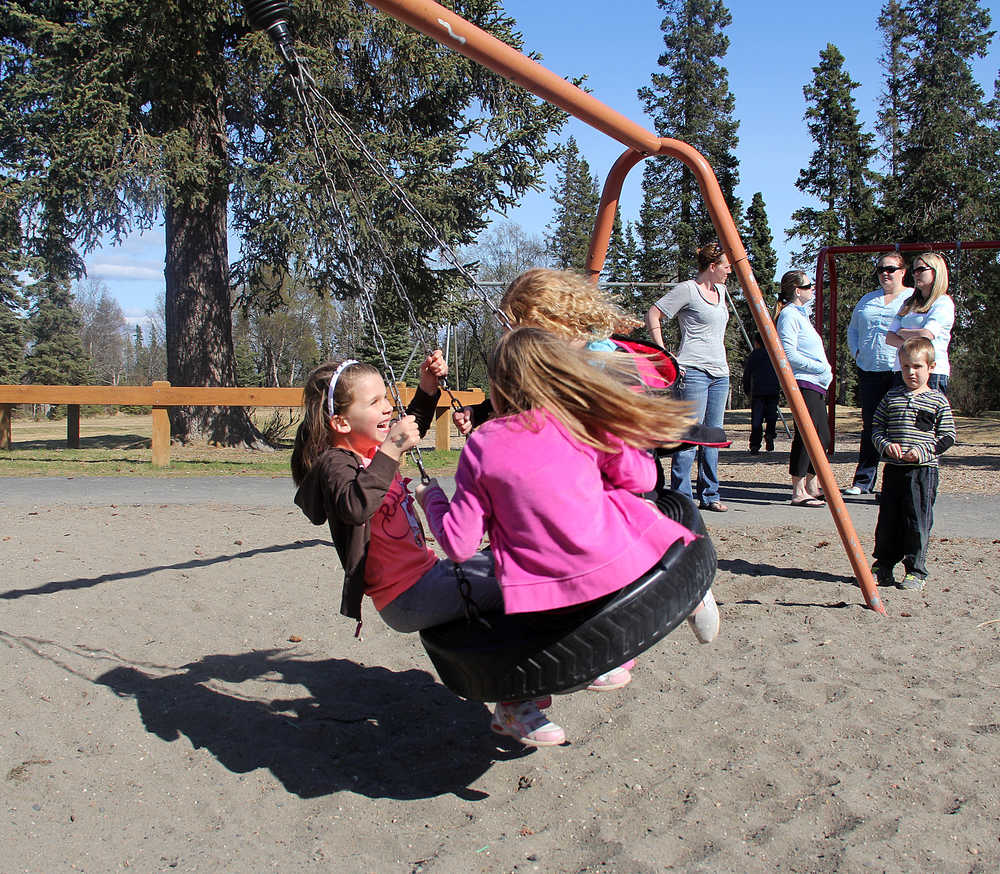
(804, 351)
(866, 338)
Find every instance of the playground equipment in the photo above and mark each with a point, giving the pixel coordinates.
(453, 31)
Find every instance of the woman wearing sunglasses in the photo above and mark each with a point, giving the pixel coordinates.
(804, 350)
(866, 338)
(929, 312)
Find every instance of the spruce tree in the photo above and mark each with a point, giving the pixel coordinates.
(12, 334)
(948, 148)
(760, 247)
(690, 101)
(839, 176)
(896, 27)
(576, 195)
(56, 356)
(133, 112)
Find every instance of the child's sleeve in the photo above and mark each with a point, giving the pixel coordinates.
(459, 526)
(880, 437)
(357, 492)
(631, 469)
(422, 408)
(945, 429)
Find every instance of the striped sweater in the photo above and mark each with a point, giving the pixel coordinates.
(921, 421)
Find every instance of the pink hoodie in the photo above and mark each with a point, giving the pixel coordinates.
(564, 523)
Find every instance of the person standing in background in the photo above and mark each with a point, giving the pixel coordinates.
(699, 305)
(760, 384)
(866, 339)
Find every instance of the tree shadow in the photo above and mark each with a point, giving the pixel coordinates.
(741, 567)
(89, 582)
(367, 730)
(99, 441)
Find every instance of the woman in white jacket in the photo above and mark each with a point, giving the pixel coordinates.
(804, 350)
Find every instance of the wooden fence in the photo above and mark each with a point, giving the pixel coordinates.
(162, 395)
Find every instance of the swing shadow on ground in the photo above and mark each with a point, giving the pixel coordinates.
(367, 730)
(55, 586)
(741, 567)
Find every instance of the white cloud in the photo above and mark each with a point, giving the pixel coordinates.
(100, 270)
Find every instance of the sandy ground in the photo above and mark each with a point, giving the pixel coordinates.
(179, 694)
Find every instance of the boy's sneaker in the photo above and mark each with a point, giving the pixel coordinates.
(617, 678)
(883, 575)
(852, 490)
(704, 622)
(523, 721)
(912, 581)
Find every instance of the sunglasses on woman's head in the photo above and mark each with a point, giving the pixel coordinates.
(804, 287)
(883, 269)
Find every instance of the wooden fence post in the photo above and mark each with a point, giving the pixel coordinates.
(443, 428)
(161, 430)
(6, 411)
(73, 426)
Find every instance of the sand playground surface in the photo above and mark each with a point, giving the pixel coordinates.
(180, 694)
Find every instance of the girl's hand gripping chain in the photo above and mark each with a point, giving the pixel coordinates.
(403, 436)
(433, 368)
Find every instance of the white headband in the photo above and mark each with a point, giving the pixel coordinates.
(333, 381)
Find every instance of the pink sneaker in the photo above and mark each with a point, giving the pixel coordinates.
(616, 678)
(704, 621)
(524, 722)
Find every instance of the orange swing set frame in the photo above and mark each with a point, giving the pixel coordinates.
(456, 33)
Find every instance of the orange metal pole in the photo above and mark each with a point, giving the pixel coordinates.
(455, 32)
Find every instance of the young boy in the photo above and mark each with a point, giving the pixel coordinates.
(913, 425)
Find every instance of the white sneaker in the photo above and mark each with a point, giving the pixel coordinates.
(704, 621)
(852, 490)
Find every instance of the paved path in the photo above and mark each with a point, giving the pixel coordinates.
(751, 504)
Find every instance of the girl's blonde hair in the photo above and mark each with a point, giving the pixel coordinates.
(916, 303)
(790, 283)
(531, 369)
(564, 303)
(314, 435)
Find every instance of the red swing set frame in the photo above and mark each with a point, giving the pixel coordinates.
(456, 33)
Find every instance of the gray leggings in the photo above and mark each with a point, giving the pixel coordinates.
(435, 598)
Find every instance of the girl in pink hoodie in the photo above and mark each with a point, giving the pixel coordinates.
(553, 480)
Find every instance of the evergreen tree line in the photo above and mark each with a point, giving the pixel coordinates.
(930, 171)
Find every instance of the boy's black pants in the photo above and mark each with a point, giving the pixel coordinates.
(905, 516)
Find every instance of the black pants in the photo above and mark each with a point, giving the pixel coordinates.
(905, 516)
(763, 411)
(872, 386)
(799, 463)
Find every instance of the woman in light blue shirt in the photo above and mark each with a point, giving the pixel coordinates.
(804, 350)
(866, 338)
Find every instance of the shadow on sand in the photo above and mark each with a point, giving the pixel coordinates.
(363, 729)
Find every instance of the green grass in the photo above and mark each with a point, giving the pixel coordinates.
(119, 445)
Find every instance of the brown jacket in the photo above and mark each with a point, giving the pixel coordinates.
(340, 490)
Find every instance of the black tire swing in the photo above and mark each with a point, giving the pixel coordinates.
(526, 655)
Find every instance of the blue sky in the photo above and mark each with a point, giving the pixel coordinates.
(774, 44)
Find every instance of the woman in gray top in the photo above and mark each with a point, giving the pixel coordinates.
(699, 305)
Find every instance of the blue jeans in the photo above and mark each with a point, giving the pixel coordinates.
(707, 396)
(872, 386)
